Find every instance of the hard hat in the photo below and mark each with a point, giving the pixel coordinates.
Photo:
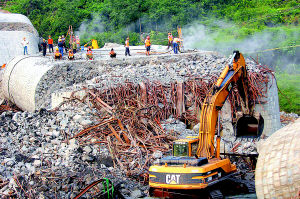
(127, 37)
(56, 48)
(148, 37)
(59, 37)
(59, 40)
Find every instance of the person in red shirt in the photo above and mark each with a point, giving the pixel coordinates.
(50, 43)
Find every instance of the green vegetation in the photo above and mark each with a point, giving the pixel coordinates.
(289, 86)
(113, 19)
(250, 26)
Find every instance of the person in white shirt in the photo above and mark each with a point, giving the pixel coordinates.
(25, 44)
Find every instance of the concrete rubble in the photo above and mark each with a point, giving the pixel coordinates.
(38, 150)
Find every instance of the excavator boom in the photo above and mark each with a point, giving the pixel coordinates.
(214, 101)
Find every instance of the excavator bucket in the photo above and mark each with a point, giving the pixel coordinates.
(249, 126)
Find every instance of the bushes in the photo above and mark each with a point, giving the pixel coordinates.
(289, 98)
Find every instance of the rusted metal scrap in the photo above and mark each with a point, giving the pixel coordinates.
(131, 116)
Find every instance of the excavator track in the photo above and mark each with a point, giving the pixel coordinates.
(249, 184)
(216, 194)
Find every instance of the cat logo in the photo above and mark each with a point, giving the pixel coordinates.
(172, 179)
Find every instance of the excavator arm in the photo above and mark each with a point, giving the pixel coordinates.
(234, 72)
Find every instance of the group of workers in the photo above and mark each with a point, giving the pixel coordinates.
(75, 45)
(173, 43)
(61, 46)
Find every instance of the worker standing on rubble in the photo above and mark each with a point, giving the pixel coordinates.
(50, 44)
(74, 46)
(148, 45)
(25, 44)
(78, 42)
(61, 47)
(63, 40)
(44, 46)
(175, 45)
(170, 40)
(127, 52)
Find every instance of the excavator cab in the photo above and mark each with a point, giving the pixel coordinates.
(185, 147)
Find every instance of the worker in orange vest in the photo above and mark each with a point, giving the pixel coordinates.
(127, 52)
(147, 45)
(50, 44)
(57, 54)
(112, 53)
(3, 66)
(71, 55)
(170, 40)
(89, 53)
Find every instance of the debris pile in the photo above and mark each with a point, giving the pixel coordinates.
(131, 112)
(287, 118)
(39, 159)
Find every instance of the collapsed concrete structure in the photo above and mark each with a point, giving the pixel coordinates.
(30, 81)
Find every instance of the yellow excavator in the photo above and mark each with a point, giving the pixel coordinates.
(196, 169)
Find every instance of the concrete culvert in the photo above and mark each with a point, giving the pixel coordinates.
(277, 172)
(28, 81)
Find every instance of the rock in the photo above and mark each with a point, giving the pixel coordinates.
(55, 133)
(87, 149)
(86, 122)
(136, 194)
(77, 117)
(64, 122)
(157, 154)
(88, 158)
(73, 144)
(37, 163)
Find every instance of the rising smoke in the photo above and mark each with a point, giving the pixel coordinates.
(90, 27)
(225, 38)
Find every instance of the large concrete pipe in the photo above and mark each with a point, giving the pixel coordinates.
(277, 172)
(29, 81)
(13, 28)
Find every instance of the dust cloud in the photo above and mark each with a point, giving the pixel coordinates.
(225, 38)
